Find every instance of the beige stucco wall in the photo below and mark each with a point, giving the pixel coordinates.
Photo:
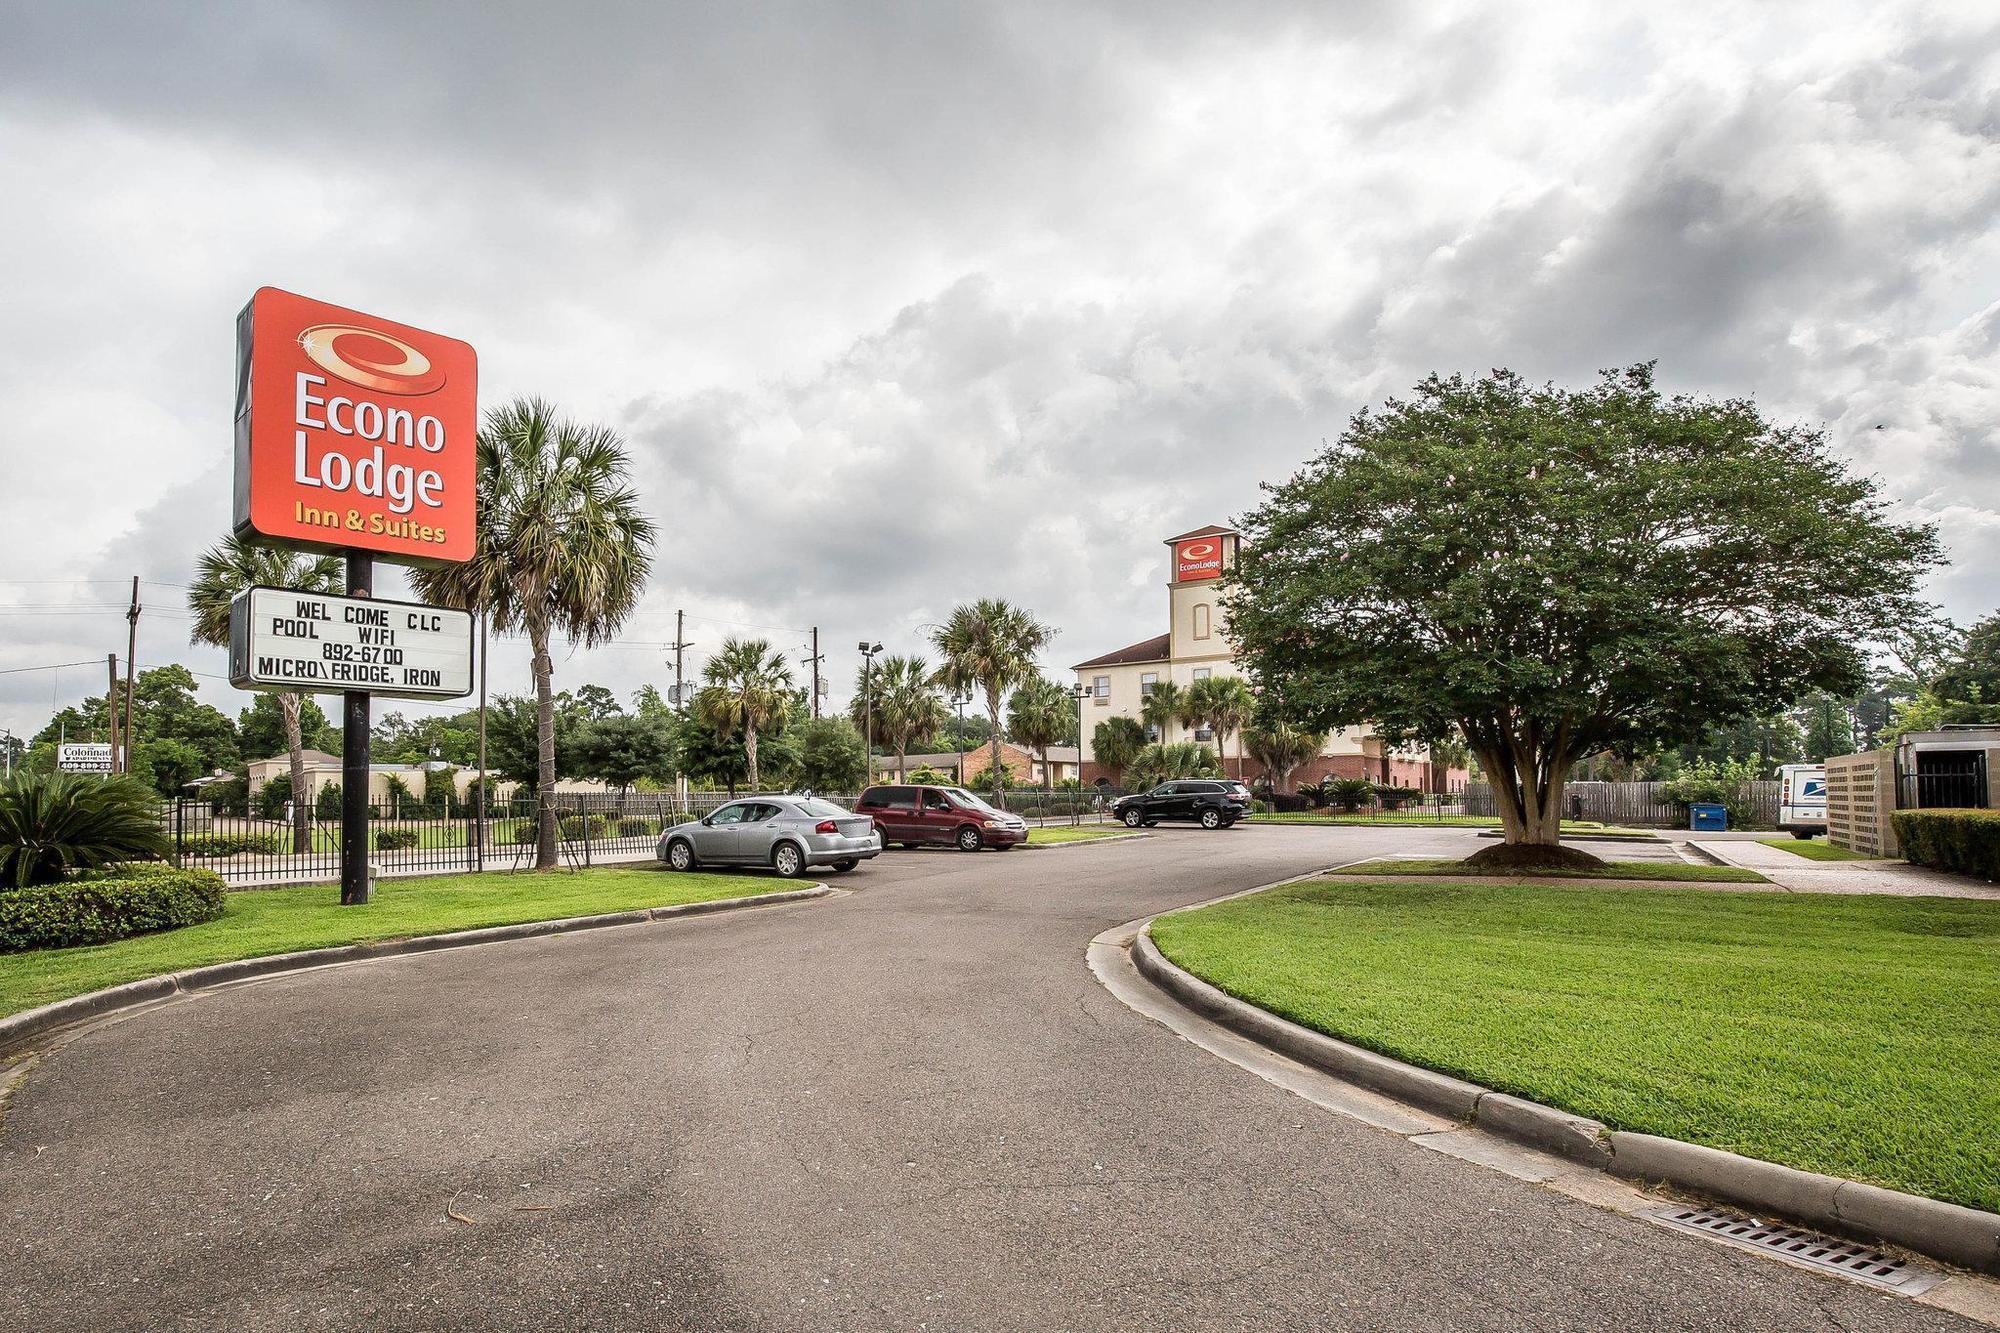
(1860, 798)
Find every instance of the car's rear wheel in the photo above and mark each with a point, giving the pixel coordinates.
(1133, 819)
(969, 839)
(1211, 818)
(788, 860)
(680, 855)
(844, 866)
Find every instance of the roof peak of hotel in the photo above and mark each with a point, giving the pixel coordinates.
(1210, 531)
(1146, 650)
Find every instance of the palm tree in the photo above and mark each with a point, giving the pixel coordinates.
(749, 689)
(902, 694)
(1161, 707)
(1041, 714)
(1280, 749)
(992, 646)
(225, 570)
(1115, 743)
(1226, 705)
(1159, 763)
(562, 547)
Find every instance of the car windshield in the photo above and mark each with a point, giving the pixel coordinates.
(965, 800)
(820, 809)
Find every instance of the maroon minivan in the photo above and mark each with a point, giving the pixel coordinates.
(918, 816)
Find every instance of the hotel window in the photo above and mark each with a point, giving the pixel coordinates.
(1201, 620)
(1201, 673)
(1101, 686)
(1146, 683)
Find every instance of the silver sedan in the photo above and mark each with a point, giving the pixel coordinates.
(790, 834)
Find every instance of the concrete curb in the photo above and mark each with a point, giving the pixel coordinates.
(1697, 850)
(1967, 1237)
(18, 1030)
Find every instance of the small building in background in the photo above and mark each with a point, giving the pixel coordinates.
(1023, 764)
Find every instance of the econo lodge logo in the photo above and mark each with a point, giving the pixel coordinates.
(1198, 559)
(357, 356)
(353, 432)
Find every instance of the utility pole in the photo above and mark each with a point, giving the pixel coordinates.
(816, 659)
(131, 657)
(111, 707)
(681, 644)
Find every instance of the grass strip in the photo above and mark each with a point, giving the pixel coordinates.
(1847, 1035)
(1816, 849)
(1054, 833)
(1677, 871)
(258, 922)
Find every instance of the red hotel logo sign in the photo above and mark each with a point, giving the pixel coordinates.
(353, 432)
(1200, 558)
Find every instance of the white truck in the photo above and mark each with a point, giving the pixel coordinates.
(1802, 799)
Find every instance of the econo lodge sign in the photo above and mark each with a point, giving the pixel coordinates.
(1199, 558)
(353, 432)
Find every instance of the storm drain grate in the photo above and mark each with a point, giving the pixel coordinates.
(1846, 1257)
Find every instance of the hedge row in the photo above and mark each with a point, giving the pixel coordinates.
(230, 844)
(129, 900)
(1966, 841)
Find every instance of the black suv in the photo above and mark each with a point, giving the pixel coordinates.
(1210, 802)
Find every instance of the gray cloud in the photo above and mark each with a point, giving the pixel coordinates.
(904, 304)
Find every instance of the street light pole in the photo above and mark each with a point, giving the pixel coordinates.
(1082, 692)
(868, 651)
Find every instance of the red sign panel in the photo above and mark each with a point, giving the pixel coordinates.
(353, 432)
(1198, 558)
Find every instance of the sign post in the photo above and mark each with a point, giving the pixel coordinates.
(355, 437)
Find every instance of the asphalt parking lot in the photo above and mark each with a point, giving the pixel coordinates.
(909, 1106)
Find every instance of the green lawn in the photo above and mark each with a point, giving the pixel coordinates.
(1816, 849)
(1673, 870)
(267, 921)
(1054, 833)
(1848, 1035)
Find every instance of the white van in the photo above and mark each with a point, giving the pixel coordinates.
(1802, 799)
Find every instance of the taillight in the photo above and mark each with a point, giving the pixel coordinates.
(826, 826)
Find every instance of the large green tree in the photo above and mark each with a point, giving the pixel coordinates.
(1557, 572)
(619, 748)
(1280, 748)
(748, 691)
(830, 755)
(563, 549)
(225, 570)
(990, 646)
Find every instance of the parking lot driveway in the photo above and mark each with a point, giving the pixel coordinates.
(908, 1107)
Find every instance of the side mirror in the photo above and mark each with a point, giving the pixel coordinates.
(707, 820)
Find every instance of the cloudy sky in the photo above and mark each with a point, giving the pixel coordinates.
(904, 304)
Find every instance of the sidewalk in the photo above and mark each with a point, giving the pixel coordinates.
(1802, 876)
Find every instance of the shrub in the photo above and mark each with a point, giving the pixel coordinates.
(930, 777)
(231, 844)
(396, 839)
(1285, 802)
(1348, 793)
(326, 805)
(524, 833)
(101, 906)
(577, 828)
(1724, 784)
(1965, 841)
(52, 824)
(634, 827)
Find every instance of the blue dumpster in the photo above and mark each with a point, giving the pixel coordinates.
(1704, 817)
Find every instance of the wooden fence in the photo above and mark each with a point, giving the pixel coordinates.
(1643, 804)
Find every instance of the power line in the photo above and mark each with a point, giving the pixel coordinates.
(53, 666)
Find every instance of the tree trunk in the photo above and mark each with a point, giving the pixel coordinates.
(993, 716)
(1527, 782)
(545, 748)
(1048, 774)
(902, 759)
(289, 706)
(750, 752)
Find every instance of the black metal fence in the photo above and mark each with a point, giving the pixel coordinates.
(407, 837)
